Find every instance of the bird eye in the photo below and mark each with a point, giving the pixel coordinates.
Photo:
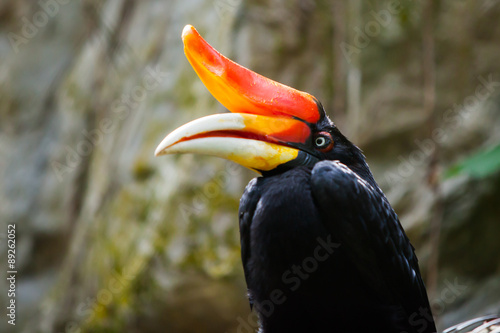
(320, 141)
(323, 142)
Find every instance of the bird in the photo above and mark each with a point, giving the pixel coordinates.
(321, 247)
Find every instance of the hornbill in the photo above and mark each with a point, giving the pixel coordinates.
(322, 248)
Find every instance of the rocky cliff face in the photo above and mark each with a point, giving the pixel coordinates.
(111, 238)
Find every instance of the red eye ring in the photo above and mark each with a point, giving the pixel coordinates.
(323, 142)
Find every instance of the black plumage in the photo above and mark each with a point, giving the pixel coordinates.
(369, 282)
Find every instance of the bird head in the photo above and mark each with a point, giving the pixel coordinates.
(271, 127)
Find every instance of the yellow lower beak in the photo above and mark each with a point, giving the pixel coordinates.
(256, 142)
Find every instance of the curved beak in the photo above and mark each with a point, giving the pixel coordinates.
(268, 123)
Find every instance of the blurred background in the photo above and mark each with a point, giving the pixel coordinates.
(111, 239)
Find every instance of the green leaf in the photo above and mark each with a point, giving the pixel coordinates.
(479, 165)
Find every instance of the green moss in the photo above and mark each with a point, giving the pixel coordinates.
(142, 170)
